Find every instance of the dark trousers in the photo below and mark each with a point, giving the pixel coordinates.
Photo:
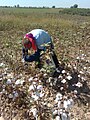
(55, 60)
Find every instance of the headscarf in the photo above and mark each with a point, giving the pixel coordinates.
(32, 40)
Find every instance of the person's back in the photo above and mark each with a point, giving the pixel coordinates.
(40, 37)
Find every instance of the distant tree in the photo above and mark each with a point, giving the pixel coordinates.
(53, 6)
(71, 7)
(6, 6)
(75, 6)
(15, 6)
(18, 6)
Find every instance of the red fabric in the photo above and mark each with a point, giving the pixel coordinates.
(31, 38)
(34, 47)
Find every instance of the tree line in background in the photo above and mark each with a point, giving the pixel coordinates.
(18, 6)
(73, 10)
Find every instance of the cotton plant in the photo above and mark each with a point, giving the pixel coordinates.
(2, 64)
(36, 95)
(15, 94)
(10, 75)
(68, 103)
(61, 114)
(35, 89)
(10, 96)
(35, 113)
(36, 92)
(62, 106)
(69, 77)
(63, 71)
(79, 84)
(31, 87)
(65, 116)
(58, 97)
(19, 82)
(63, 81)
(9, 81)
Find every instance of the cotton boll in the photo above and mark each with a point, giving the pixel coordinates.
(3, 91)
(31, 87)
(35, 79)
(82, 58)
(68, 74)
(60, 76)
(10, 75)
(57, 118)
(2, 64)
(59, 103)
(22, 81)
(70, 103)
(79, 84)
(78, 58)
(61, 88)
(79, 76)
(9, 81)
(63, 71)
(30, 79)
(65, 105)
(60, 111)
(50, 79)
(35, 97)
(35, 112)
(18, 82)
(41, 95)
(34, 83)
(85, 68)
(59, 95)
(51, 84)
(75, 91)
(81, 72)
(64, 116)
(10, 96)
(83, 55)
(16, 94)
(1, 79)
(63, 81)
(39, 87)
(45, 75)
(39, 81)
(55, 112)
(69, 77)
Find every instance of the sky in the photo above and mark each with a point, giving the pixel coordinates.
(46, 3)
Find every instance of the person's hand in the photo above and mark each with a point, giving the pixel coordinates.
(24, 52)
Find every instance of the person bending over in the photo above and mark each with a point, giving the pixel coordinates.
(36, 39)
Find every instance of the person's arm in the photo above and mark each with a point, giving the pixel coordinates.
(24, 52)
(33, 57)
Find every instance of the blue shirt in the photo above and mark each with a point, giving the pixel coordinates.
(41, 37)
